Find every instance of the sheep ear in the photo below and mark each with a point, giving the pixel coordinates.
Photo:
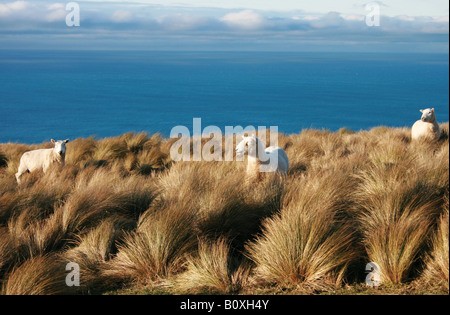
(421, 111)
(53, 141)
(67, 140)
(432, 110)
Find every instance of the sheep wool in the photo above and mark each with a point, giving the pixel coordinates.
(42, 159)
(427, 126)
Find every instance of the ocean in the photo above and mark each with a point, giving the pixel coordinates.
(71, 94)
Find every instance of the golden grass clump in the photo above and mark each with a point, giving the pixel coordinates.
(94, 250)
(213, 269)
(437, 261)
(225, 207)
(157, 248)
(307, 244)
(132, 218)
(40, 275)
(399, 200)
(80, 150)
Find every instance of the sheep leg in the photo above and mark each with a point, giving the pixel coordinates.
(18, 174)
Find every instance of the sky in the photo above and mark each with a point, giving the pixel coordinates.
(286, 25)
(391, 7)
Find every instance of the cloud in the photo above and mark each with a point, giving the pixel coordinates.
(187, 22)
(405, 18)
(17, 5)
(307, 18)
(353, 17)
(56, 6)
(97, 16)
(57, 12)
(415, 25)
(117, 21)
(121, 16)
(441, 19)
(245, 20)
(330, 20)
(11, 7)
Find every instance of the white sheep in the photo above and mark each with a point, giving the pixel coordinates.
(42, 159)
(427, 126)
(260, 159)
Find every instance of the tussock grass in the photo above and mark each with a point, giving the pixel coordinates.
(80, 150)
(41, 275)
(110, 149)
(135, 142)
(6, 251)
(225, 207)
(400, 198)
(94, 250)
(437, 261)
(156, 249)
(131, 217)
(213, 269)
(307, 244)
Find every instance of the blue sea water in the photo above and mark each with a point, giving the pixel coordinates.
(71, 94)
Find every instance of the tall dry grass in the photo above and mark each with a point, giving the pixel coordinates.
(309, 243)
(437, 261)
(213, 269)
(156, 249)
(129, 216)
(40, 275)
(400, 197)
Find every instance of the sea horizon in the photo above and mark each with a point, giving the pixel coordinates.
(103, 93)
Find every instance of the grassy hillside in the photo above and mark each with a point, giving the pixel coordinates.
(136, 222)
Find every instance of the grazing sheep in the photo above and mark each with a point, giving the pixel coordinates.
(42, 159)
(427, 127)
(260, 159)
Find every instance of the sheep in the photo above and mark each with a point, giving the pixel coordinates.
(42, 159)
(260, 159)
(426, 127)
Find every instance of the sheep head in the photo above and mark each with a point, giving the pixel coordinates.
(428, 115)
